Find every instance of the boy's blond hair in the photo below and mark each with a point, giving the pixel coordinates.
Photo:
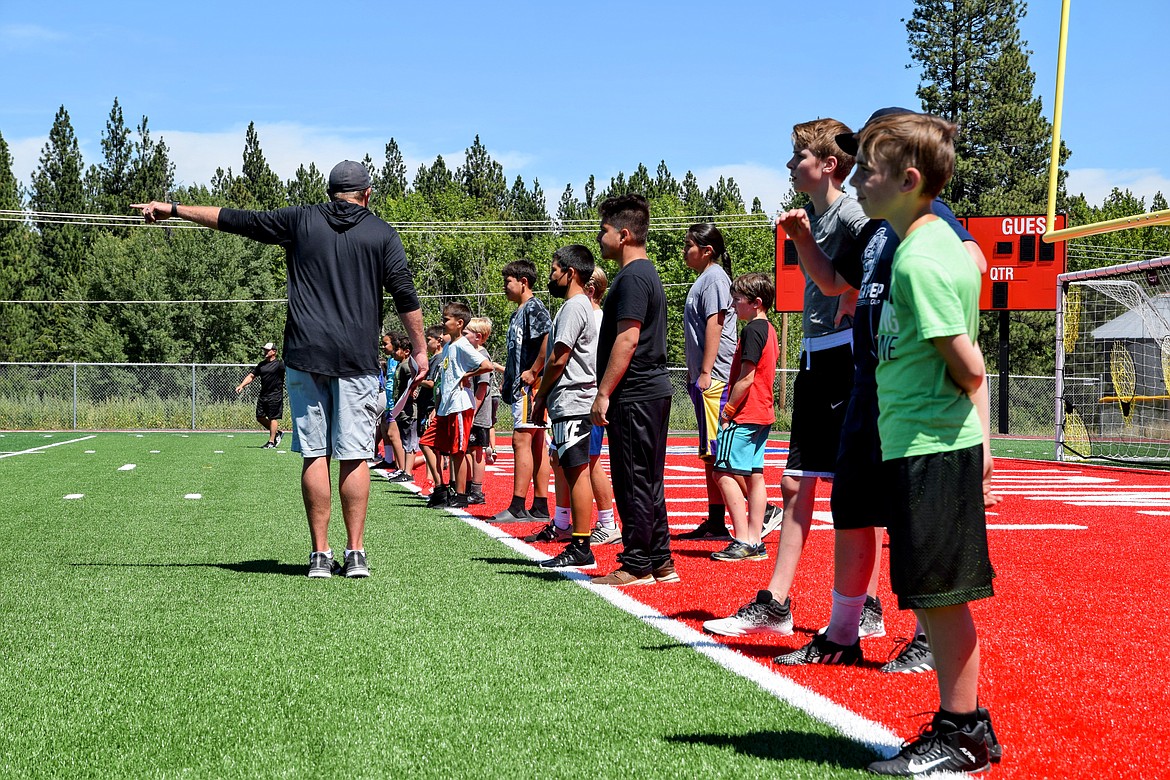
(820, 138)
(598, 283)
(482, 326)
(920, 141)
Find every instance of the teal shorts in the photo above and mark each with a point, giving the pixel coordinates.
(740, 449)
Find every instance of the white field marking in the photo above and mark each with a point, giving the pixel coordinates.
(127, 467)
(1036, 527)
(194, 496)
(219, 452)
(1152, 512)
(231, 436)
(688, 469)
(47, 436)
(138, 436)
(72, 496)
(851, 725)
(46, 446)
(90, 452)
(155, 452)
(1149, 504)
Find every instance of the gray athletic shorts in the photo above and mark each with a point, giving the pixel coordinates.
(334, 416)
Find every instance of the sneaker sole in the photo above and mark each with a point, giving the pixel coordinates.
(320, 575)
(639, 581)
(725, 631)
(916, 669)
(358, 574)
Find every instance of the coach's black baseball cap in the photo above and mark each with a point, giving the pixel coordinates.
(348, 176)
(848, 141)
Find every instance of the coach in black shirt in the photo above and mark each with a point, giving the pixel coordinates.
(270, 404)
(340, 257)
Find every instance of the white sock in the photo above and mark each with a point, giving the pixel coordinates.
(348, 551)
(605, 518)
(562, 517)
(846, 618)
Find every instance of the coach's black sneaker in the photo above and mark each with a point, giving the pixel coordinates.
(438, 497)
(573, 556)
(321, 565)
(268, 446)
(279, 437)
(915, 657)
(941, 747)
(355, 564)
(707, 531)
(821, 651)
(994, 749)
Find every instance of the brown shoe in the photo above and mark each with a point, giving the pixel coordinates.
(666, 573)
(620, 578)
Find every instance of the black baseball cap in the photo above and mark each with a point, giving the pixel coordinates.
(348, 176)
(848, 141)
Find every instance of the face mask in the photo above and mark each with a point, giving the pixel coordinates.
(558, 290)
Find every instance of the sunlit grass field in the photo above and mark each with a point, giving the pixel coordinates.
(150, 633)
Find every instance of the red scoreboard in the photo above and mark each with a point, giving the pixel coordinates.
(1021, 269)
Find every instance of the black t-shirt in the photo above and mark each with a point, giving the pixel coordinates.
(636, 294)
(867, 266)
(271, 376)
(340, 257)
(753, 339)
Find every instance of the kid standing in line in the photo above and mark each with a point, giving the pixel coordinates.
(478, 331)
(747, 418)
(929, 376)
(428, 392)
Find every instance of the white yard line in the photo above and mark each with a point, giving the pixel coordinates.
(46, 446)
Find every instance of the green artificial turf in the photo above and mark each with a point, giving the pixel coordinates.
(151, 635)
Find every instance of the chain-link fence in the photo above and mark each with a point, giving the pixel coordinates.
(196, 396)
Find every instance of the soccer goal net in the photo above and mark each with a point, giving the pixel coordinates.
(1113, 363)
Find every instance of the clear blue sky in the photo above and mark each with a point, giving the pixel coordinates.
(556, 91)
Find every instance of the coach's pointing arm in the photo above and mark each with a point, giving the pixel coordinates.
(207, 216)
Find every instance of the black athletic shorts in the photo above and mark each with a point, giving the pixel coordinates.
(480, 437)
(938, 529)
(819, 397)
(859, 498)
(272, 408)
(571, 437)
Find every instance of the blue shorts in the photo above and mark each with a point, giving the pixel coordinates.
(741, 449)
(334, 416)
(596, 440)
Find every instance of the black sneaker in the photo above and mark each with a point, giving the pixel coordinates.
(279, 437)
(574, 555)
(550, 533)
(821, 651)
(476, 497)
(268, 446)
(355, 565)
(438, 497)
(400, 476)
(741, 551)
(457, 501)
(914, 657)
(994, 749)
(941, 747)
(321, 565)
(706, 532)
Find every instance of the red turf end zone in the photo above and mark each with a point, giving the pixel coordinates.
(1072, 662)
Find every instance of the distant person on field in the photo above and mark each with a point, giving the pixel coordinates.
(567, 389)
(340, 258)
(527, 334)
(606, 531)
(426, 393)
(634, 393)
(394, 456)
(746, 419)
(270, 404)
(478, 331)
(405, 420)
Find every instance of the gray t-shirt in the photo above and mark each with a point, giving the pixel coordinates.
(483, 415)
(573, 394)
(710, 294)
(837, 228)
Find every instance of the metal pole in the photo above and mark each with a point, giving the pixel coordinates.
(74, 396)
(192, 396)
(1004, 370)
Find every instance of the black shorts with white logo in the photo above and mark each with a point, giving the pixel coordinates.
(570, 436)
(819, 397)
(480, 437)
(938, 529)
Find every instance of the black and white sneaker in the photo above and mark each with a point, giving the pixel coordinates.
(279, 437)
(457, 501)
(914, 657)
(438, 497)
(355, 565)
(268, 446)
(741, 551)
(321, 565)
(994, 749)
(773, 517)
(550, 533)
(941, 747)
(821, 651)
(764, 615)
(476, 497)
(573, 556)
(399, 476)
(872, 624)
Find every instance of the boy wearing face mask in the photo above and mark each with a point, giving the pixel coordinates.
(567, 389)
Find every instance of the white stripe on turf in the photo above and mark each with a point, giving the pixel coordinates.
(870, 734)
(47, 446)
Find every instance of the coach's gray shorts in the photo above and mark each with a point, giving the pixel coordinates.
(334, 416)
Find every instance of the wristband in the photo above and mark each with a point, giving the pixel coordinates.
(174, 209)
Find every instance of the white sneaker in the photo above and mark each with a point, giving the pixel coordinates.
(603, 535)
(765, 615)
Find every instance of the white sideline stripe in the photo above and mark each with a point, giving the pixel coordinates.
(1036, 527)
(46, 446)
(1155, 514)
(851, 725)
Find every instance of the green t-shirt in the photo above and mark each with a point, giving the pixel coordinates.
(934, 292)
